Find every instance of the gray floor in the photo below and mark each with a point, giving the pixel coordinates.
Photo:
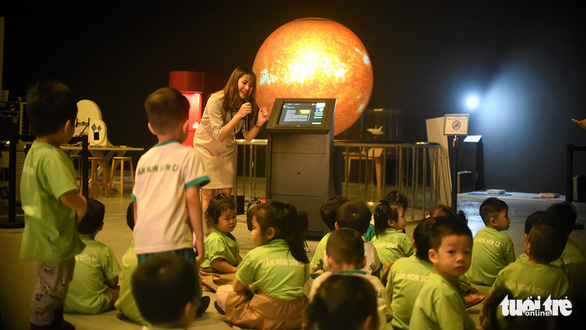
(17, 278)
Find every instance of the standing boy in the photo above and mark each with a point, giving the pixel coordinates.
(166, 191)
(51, 202)
(439, 304)
(493, 250)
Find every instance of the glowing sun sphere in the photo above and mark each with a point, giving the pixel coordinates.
(315, 57)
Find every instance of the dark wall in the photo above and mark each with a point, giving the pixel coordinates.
(525, 60)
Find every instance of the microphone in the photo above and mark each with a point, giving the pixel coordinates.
(247, 117)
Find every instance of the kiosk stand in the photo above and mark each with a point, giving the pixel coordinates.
(299, 156)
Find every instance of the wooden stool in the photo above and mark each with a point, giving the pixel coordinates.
(94, 183)
(121, 182)
(78, 159)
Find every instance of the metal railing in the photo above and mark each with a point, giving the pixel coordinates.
(416, 169)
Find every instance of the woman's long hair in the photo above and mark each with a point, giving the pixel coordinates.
(232, 100)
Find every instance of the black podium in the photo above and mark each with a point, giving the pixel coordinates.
(299, 156)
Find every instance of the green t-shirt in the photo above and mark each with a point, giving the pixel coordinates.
(126, 303)
(573, 262)
(369, 235)
(49, 232)
(439, 305)
(405, 279)
(317, 263)
(272, 269)
(94, 266)
(220, 245)
(492, 251)
(392, 245)
(524, 280)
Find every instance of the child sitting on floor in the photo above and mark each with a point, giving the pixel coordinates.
(126, 303)
(536, 277)
(268, 289)
(343, 302)
(407, 276)
(328, 212)
(356, 215)
(493, 250)
(94, 288)
(390, 241)
(392, 197)
(572, 259)
(439, 304)
(345, 256)
(165, 288)
(221, 248)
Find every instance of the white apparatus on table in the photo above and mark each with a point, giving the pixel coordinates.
(89, 122)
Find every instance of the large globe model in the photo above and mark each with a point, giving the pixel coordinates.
(315, 57)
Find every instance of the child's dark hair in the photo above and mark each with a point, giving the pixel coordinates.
(355, 215)
(93, 218)
(217, 205)
(397, 197)
(444, 211)
(329, 210)
(447, 227)
(50, 104)
(130, 215)
(538, 217)
(384, 212)
(342, 302)
(345, 245)
(289, 224)
(422, 238)
(490, 208)
(566, 215)
(166, 108)
(548, 241)
(162, 285)
(252, 207)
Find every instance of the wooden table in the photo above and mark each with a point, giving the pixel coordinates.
(107, 152)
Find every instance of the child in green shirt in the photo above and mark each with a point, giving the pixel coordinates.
(94, 288)
(221, 247)
(126, 303)
(390, 241)
(51, 202)
(439, 304)
(328, 214)
(493, 250)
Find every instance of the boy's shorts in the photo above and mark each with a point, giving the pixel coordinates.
(49, 295)
(189, 255)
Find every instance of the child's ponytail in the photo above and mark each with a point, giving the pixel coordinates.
(289, 223)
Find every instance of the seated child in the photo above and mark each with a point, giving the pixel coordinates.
(536, 277)
(407, 276)
(390, 241)
(328, 214)
(533, 219)
(493, 250)
(572, 259)
(345, 255)
(392, 197)
(221, 248)
(165, 289)
(94, 288)
(356, 215)
(443, 211)
(126, 303)
(439, 304)
(343, 302)
(268, 289)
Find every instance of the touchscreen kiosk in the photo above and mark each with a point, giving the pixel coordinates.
(299, 156)
(302, 115)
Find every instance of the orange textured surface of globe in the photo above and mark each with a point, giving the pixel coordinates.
(315, 57)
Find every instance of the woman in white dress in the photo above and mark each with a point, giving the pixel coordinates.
(223, 116)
